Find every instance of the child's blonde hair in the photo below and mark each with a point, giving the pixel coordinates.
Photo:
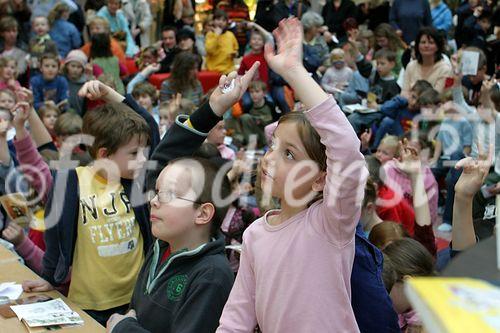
(10, 93)
(69, 123)
(4, 61)
(391, 141)
(97, 20)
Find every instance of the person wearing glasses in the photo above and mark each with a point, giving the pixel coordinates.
(186, 279)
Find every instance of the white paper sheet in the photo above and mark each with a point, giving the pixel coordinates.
(11, 290)
(470, 62)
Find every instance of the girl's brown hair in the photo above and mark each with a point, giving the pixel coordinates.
(409, 258)
(8, 23)
(385, 233)
(387, 31)
(179, 80)
(57, 12)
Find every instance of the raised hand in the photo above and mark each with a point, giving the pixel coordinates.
(365, 139)
(221, 102)
(410, 159)
(150, 69)
(473, 175)
(289, 37)
(94, 90)
(21, 112)
(24, 95)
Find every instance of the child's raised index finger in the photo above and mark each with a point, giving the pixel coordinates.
(248, 76)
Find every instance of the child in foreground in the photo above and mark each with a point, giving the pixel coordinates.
(186, 279)
(317, 216)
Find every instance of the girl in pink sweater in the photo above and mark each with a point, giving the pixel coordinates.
(296, 262)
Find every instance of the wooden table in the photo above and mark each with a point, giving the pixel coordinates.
(7, 256)
(13, 271)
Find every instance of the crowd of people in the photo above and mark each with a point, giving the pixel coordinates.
(297, 195)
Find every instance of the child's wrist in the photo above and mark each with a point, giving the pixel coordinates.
(294, 73)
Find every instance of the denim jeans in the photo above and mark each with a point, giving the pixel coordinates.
(387, 126)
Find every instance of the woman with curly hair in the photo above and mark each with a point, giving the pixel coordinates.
(183, 79)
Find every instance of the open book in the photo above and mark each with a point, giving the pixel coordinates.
(49, 313)
(455, 305)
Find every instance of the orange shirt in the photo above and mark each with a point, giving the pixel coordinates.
(116, 49)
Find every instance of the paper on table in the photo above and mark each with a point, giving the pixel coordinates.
(470, 62)
(49, 313)
(11, 290)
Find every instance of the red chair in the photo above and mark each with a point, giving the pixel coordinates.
(208, 79)
(131, 66)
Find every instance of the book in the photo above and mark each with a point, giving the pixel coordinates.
(49, 313)
(17, 209)
(455, 305)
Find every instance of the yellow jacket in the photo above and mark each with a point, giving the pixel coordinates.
(221, 50)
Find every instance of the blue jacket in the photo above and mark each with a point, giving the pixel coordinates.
(370, 301)
(66, 37)
(441, 17)
(55, 90)
(397, 108)
(61, 213)
(409, 16)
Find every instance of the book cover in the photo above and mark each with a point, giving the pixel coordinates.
(455, 305)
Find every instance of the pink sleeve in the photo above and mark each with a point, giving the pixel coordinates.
(337, 215)
(34, 167)
(32, 254)
(239, 314)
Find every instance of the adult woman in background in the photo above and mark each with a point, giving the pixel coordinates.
(429, 65)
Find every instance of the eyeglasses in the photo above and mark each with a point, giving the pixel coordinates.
(165, 197)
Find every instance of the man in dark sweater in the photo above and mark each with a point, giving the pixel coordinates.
(169, 45)
(186, 279)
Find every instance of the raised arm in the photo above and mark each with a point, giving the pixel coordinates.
(37, 171)
(39, 132)
(4, 148)
(187, 134)
(470, 182)
(97, 90)
(412, 166)
(346, 171)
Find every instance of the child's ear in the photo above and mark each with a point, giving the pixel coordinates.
(320, 182)
(205, 214)
(102, 152)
